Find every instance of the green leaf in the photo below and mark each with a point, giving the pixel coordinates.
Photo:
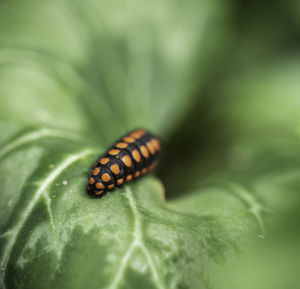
(127, 238)
(130, 67)
(263, 107)
(74, 76)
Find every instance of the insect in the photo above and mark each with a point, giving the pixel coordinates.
(128, 159)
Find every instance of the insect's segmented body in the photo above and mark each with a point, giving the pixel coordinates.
(128, 159)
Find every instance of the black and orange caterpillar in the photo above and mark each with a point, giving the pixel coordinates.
(131, 157)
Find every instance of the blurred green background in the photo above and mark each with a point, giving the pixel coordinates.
(217, 81)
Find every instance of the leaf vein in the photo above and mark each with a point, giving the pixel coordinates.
(138, 242)
(254, 207)
(26, 213)
(33, 136)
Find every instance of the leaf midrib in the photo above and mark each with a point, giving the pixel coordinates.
(15, 231)
(137, 243)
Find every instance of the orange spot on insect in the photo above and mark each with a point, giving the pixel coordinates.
(91, 180)
(129, 178)
(135, 135)
(151, 148)
(114, 152)
(110, 187)
(98, 192)
(96, 171)
(156, 143)
(136, 155)
(138, 133)
(144, 151)
(120, 181)
(105, 177)
(115, 169)
(122, 145)
(100, 186)
(127, 161)
(152, 166)
(144, 171)
(104, 161)
(137, 174)
(129, 139)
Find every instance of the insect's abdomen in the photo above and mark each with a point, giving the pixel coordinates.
(128, 159)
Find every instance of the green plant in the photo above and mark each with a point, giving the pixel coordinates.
(75, 76)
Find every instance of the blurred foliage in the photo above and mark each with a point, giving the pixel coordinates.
(216, 80)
